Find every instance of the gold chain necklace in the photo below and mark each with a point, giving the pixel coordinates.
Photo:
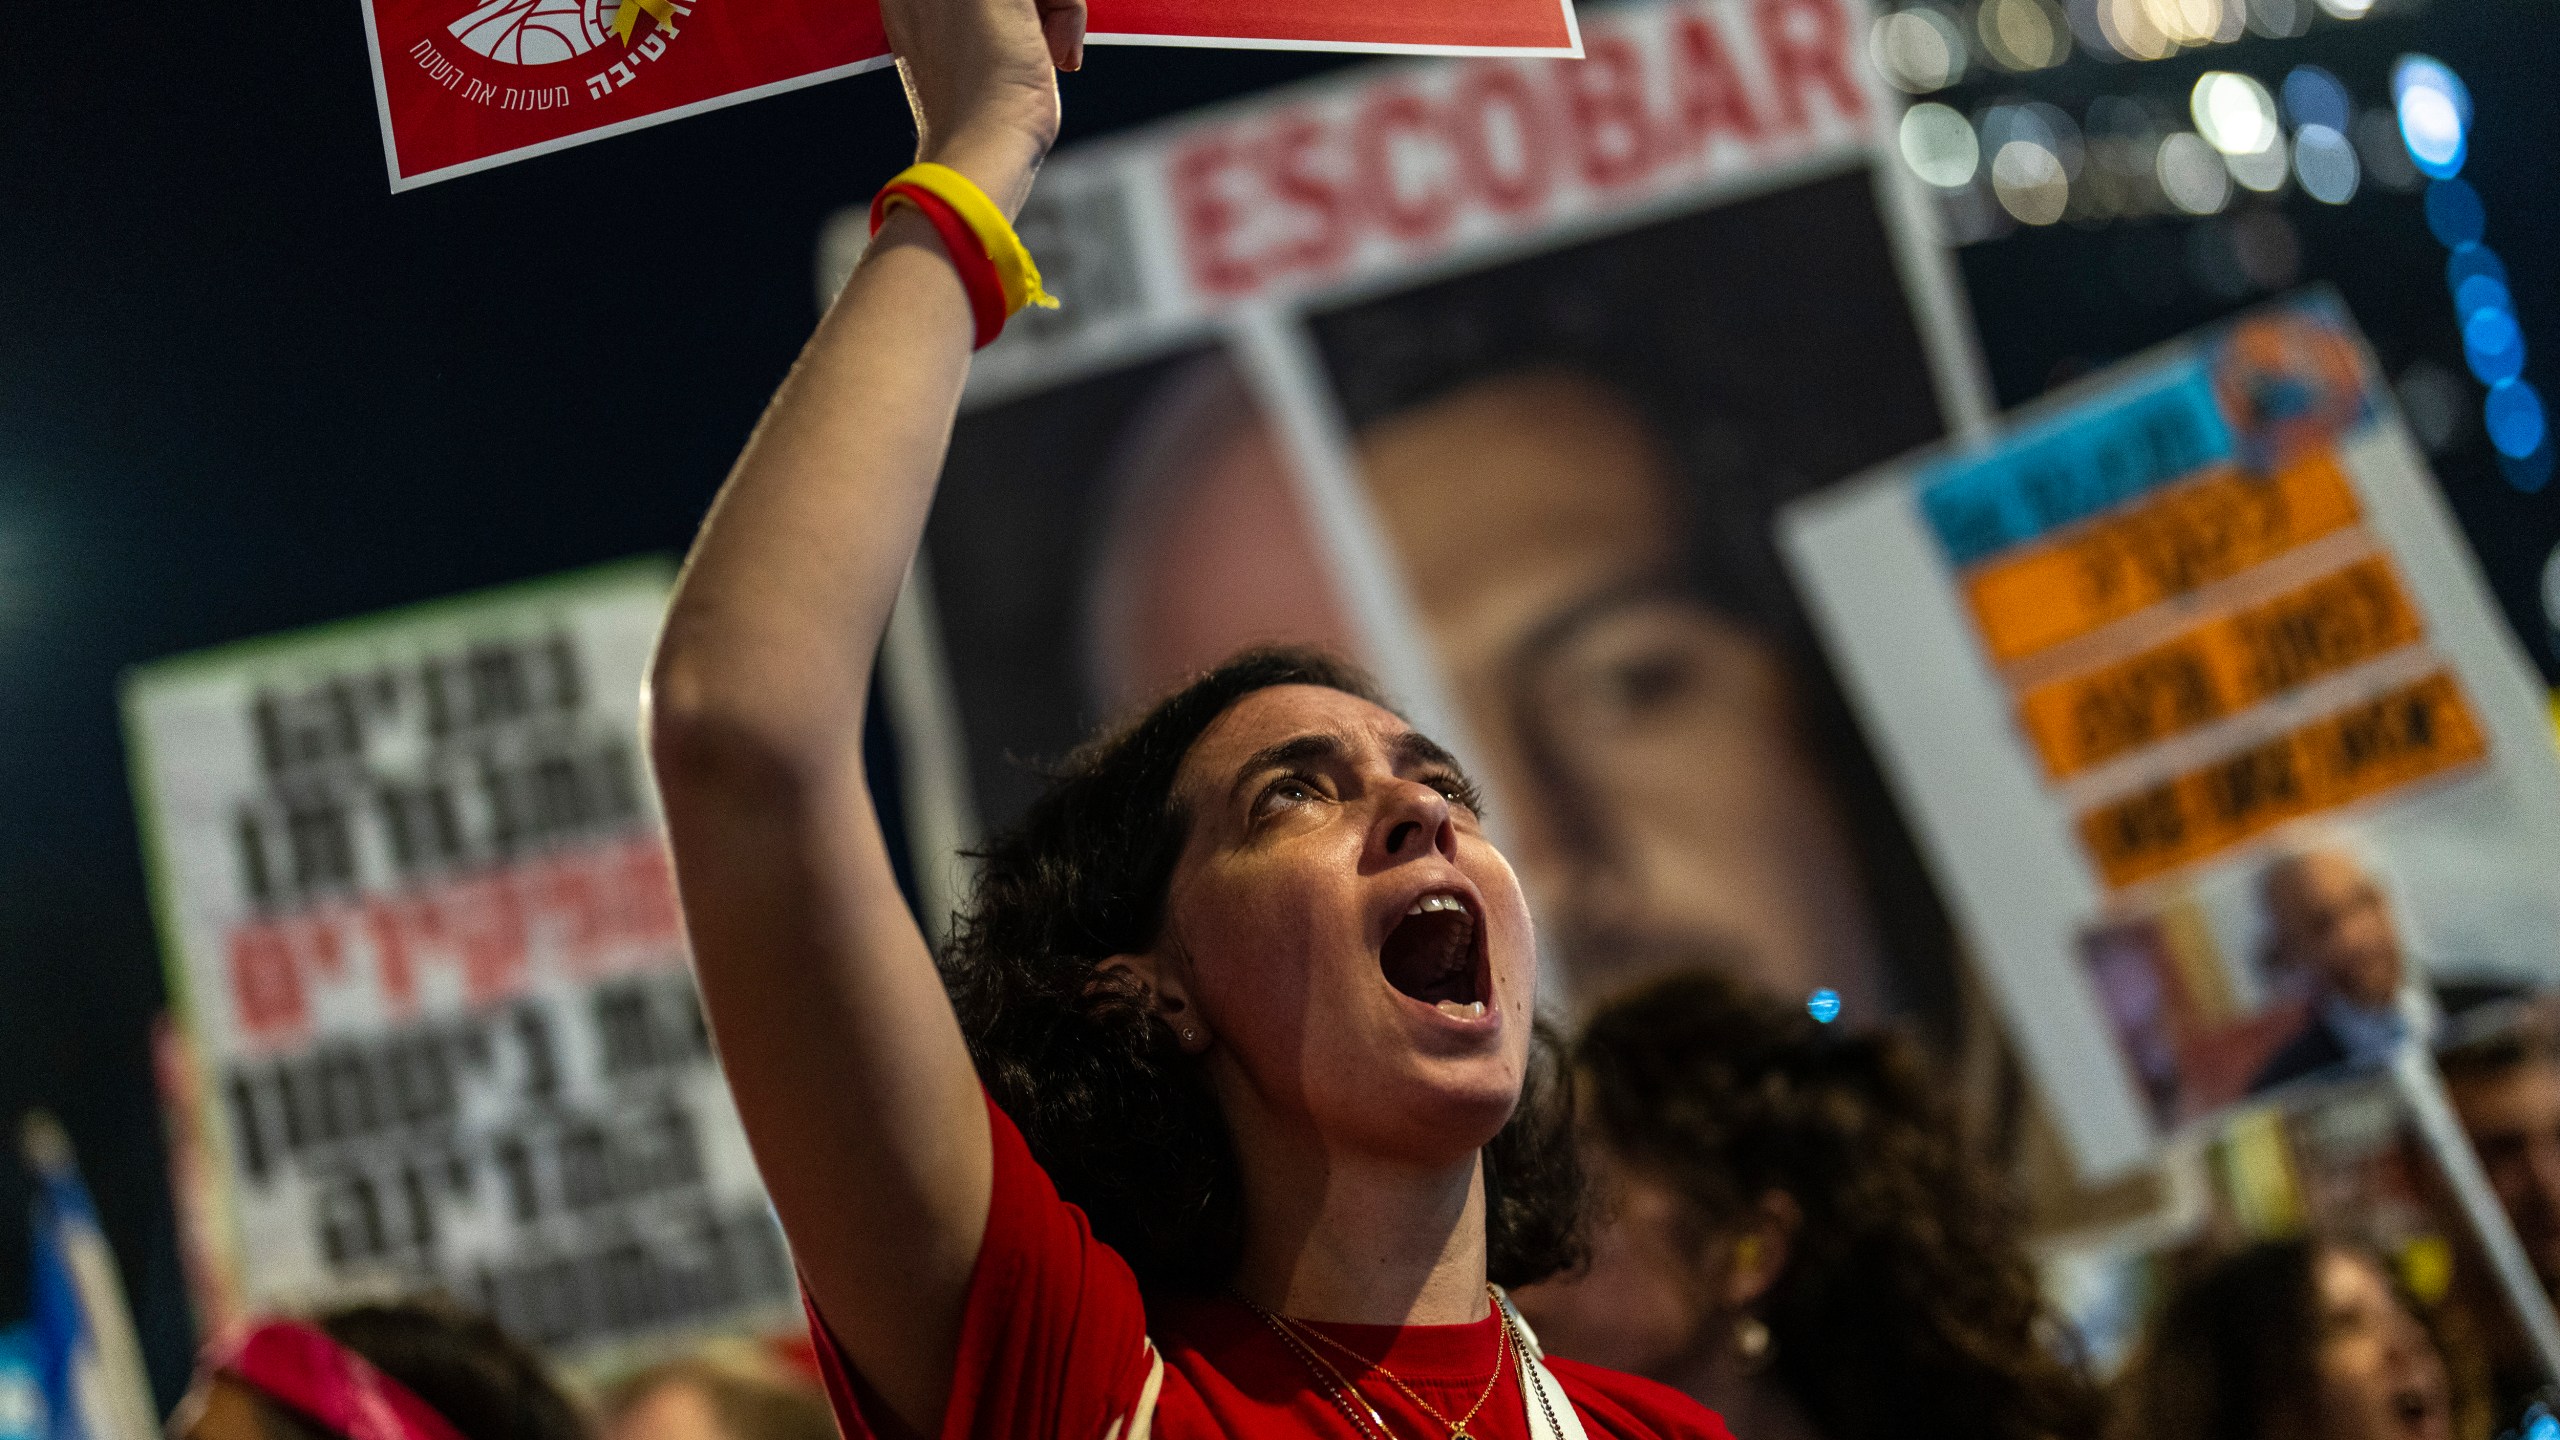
(1327, 1376)
(1297, 1332)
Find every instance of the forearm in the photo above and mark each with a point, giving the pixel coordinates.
(839, 1045)
(775, 626)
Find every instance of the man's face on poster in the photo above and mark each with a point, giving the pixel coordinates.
(1647, 767)
(2328, 919)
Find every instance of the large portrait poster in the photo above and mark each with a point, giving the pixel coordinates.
(422, 936)
(2235, 777)
(1491, 375)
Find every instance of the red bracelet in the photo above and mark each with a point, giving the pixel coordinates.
(977, 272)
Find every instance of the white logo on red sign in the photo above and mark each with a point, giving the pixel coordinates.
(535, 32)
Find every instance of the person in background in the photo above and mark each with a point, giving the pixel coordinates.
(2505, 1087)
(716, 1395)
(2300, 1339)
(408, 1370)
(1795, 1234)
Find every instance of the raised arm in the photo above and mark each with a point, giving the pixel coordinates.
(838, 1041)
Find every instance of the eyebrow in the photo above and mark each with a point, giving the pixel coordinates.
(1410, 750)
(1413, 748)
(1287, 753)
(1567, 625)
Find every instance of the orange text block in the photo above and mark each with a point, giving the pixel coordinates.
(2220, 667)
(2407, 734)
(2176, 541)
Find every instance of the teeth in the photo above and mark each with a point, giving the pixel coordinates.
(1430, 903)
(1472, 1010)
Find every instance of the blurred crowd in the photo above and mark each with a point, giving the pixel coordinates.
(1788, 1221)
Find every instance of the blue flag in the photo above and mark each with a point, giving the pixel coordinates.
(86, 1359)
(22, 1412)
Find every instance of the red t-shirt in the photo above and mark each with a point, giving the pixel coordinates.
(1055, 1341)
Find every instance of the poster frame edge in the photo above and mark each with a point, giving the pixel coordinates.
(934, 781)
(381, 94)
(401, 183)
(170, 669)
(1942, 308)
(177, 997)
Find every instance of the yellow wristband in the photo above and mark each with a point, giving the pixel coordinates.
(1020, 277)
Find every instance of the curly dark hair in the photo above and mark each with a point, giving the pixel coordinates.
(482, 1380)
(1906, 1307)
(1125, 1123)
(2230, 1356)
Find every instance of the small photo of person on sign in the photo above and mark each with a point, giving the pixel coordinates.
(2301, 968)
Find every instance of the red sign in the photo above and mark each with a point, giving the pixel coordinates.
(464, 85)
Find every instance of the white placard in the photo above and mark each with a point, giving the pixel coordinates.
(421, 930)
(2191, 658)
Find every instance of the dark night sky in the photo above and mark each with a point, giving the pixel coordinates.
(243, 388)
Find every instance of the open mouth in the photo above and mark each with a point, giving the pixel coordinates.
(1431, 955)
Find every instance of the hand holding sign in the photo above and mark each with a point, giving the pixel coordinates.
(981, 76)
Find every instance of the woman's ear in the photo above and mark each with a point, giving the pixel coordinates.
(1165, 994)
(1761, 1250)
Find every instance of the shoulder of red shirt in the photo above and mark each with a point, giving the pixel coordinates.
(1634, 1407)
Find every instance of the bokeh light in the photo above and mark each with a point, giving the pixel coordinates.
(2516, 424)
(2493, 345)
(2470, 260)
(2023, 34)
(2347, 9)
(2480, 292)
(2192, 175)
(2436, 403)
(2279, 19)
(1939, 146)
(2435, 114)
(2234, 113)
(2046, 126)
(2313, 96)
(2454, 213)
(2030, 182)
(2386, 160)
(2129, 31)
(2185, 22)
(2265, 171)
(2124, 155)
(2081, 16)
(2324, 164)
(1918, 50)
